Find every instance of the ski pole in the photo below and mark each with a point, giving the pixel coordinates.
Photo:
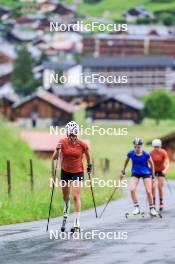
(53, 185)
(169, 186)
(93, 195)
(108, 201)
(110, 198)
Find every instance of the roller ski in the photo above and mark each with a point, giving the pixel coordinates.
(75, 229)
(154, 213)
(135, 213)
(63, 227)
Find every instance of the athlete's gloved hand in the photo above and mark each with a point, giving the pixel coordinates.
(122, 174)
(89, 168)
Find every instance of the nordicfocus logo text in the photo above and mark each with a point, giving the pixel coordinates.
(95, 182)
(93, 78)
(94, 26)
(91, 131)
(89, 235)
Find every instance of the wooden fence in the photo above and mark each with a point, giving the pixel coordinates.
(102, 164)
(8, 175)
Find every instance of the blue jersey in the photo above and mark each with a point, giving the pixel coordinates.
(139, 163)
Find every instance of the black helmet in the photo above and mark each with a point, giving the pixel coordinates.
(137, 141)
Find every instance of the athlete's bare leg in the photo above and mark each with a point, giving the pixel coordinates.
(76, 187)
(154, 183)
(161, 181)
(66, 197)
(148, 188)
(133, 185)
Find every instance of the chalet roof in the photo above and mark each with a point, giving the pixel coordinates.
(97, 89)
(7, 98)
(138, 10)
(5, 69)
(130, 101)
(123, 98)
(40, 141)
(61, 90)
(150, 35)
(36, 16)
(129, 61)
(49, 98)
(23, 35)
(8, 49)
(166, 138)
(58, 65)
(7, 91)
(4, 9)
(63, 9)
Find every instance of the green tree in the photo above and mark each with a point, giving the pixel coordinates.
(159, 105)
(22, 78)
(168, 20)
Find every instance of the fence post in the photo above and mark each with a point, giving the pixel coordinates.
(9, 179)
(107, 165)
(31, 175)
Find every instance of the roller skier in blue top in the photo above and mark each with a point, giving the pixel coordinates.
(142, 167)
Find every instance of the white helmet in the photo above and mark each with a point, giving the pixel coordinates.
(137, 141)
(156, 143)
(72, 128)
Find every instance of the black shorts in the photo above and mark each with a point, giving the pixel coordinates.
(68, 176)
(144, 176)
(159, 174)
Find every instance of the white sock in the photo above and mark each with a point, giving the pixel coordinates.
(67, 207)
(77, 218)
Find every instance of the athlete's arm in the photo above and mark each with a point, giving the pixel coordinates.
(89, 160)
(88, 156)
(167, 165)
(151, 163)
(125, 165)
(57, 152)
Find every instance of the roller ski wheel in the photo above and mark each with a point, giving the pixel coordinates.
(155, 214)
(141, 214)
(75, 229)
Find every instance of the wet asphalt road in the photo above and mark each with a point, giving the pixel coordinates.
(149, 240)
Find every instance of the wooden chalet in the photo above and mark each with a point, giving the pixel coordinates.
(79, 95)
(43, 109)
(142, 71)
(6, 106)
(151, 43)
(41, 142)
(168, 143)
(120, 108)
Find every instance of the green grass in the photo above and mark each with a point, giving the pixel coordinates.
(26, 206)
(15, 4)
(116, 8)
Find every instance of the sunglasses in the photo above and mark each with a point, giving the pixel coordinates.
(72, 135)
(137, 147)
